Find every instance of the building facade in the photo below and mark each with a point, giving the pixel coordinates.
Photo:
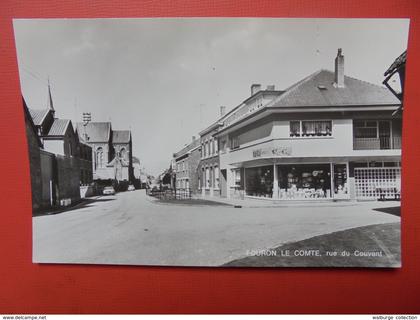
(112, 157)
(328, 136)
(209, 169)
(185, 167)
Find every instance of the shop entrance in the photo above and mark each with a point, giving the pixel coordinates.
(304, 181)
(259, 182)
(341, 190)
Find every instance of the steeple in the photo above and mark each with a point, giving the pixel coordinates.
(50, 101)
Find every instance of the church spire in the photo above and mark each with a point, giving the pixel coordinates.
(50, 101)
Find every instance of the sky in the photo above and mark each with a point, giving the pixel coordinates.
(165, 79)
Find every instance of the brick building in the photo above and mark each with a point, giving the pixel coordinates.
(56, 160)
(185, 167)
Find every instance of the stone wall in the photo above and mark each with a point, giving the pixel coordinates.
(68, 178)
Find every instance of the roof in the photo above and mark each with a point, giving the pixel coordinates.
(59, 127)
(96, 131)
(121, 136)
(136, 160)
(398, 63)
(38, 115)
(318, 90)
(29, 118)
(187, 148)
(218, 123)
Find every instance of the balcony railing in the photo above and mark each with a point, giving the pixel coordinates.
(382, 143)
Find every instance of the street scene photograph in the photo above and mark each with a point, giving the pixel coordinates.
(214, 142)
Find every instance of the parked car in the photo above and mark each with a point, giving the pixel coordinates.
(131, 188)
(108, 191)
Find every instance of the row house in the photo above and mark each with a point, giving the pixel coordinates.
(329, 136)
(185, 167)
(212, 177)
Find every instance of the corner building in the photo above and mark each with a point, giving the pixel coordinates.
(329, 136)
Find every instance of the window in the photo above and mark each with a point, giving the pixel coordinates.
(216, 147)
(123, 153)
(236, 177)
(310, 128)
(206, 151)
(216, 177)
(234, 143)
(295, 128)
(365, 129)
(99, 157)
(207, 178)
(316, 128)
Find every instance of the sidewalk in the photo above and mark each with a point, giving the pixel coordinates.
(269, 203)
(73, 206)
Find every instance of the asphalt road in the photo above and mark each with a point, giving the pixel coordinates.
(132, 228)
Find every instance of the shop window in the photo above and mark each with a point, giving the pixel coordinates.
(304, 181)
(259, 181)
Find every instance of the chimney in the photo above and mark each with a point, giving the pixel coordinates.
(339, 70)
(255, 88)
(193, 138)
(271, 87)
(222, 111)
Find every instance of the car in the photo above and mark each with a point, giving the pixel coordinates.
(108, 191)
(131, 188)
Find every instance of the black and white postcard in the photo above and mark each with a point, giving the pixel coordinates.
(235, 142)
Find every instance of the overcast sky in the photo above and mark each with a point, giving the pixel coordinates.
(165, 79)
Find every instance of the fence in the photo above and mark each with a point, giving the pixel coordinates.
(380, 143)
(378, 183)
(170, 194)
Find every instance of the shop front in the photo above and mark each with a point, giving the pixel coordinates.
(298, 181)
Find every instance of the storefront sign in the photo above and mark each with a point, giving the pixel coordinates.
(269, 152)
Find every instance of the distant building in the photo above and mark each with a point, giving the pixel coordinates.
(185, 166)
(112, 159)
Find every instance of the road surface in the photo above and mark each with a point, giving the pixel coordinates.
(133, 228)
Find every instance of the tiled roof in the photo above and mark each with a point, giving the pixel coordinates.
(96, 131)
(187, 148)
(121, 136)
(38, 115)
(318, 90)
(59, 127)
